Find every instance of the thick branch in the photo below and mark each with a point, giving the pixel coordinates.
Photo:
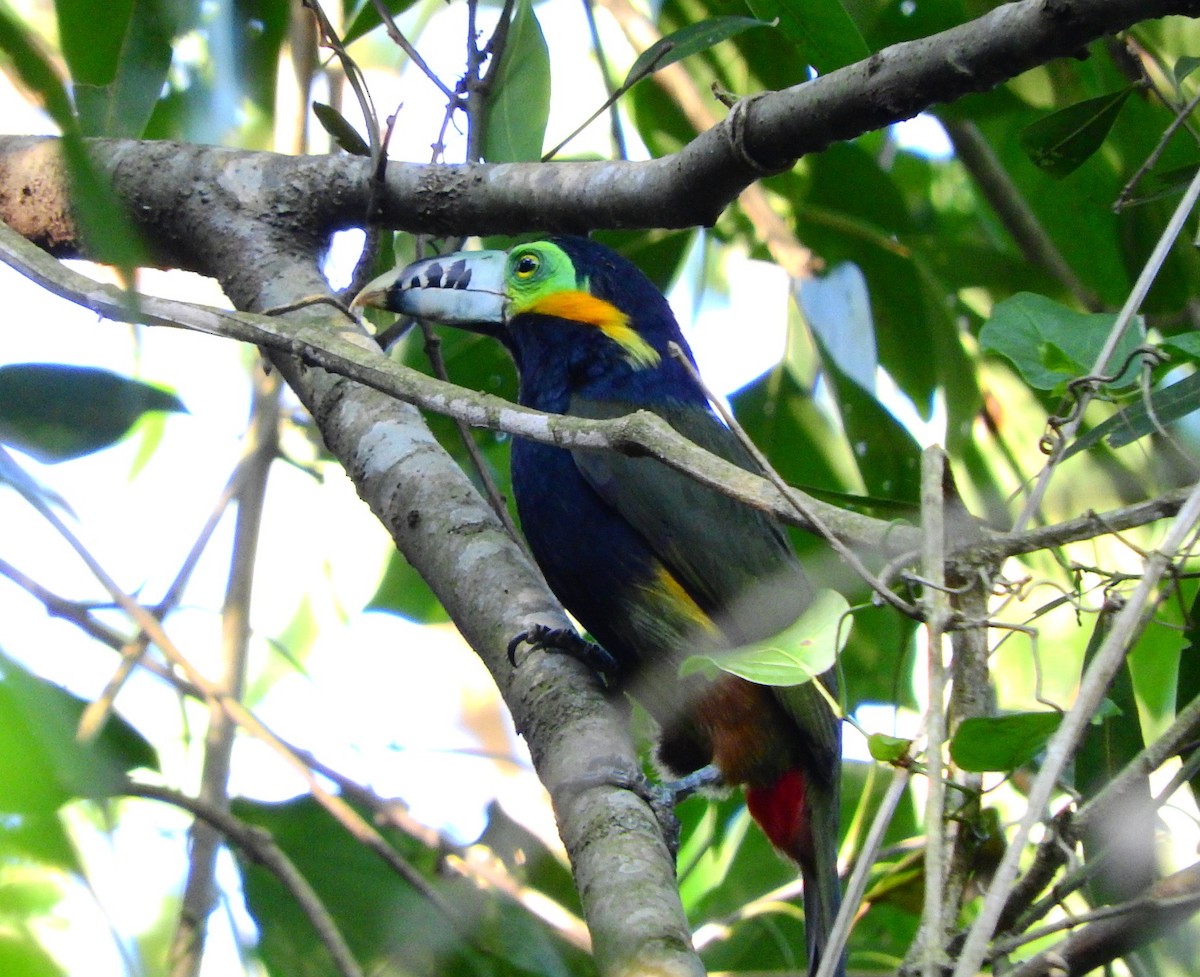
(761, 135)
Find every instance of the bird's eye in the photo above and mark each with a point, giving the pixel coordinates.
(526, 265)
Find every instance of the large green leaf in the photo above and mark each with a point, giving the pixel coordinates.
(822, 30)
(119, 58)
(1063, 141)
(1167, 404)
(42, 765)
(56, 412)
(22, 956)
(388, 925)
(519, 102)
(1002, 743)
(839, 313)
(109, 233)
(801, 652)
(1050, 344)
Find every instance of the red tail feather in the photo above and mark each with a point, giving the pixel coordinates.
(783, 814)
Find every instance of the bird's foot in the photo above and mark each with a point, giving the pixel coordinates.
(697, 780)
(564, 641)
(661, 797)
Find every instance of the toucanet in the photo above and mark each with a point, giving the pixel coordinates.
(653, 564)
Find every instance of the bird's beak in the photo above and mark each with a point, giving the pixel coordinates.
(464, 289)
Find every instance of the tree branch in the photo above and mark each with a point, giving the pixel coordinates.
(763, 134)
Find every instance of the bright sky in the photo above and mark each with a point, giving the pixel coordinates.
(374, 700)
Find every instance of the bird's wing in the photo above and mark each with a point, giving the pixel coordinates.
(735, 562)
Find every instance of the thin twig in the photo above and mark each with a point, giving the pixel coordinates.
(935, 604)
(398, 38)
(260, 847)
(856, 885)
(200, 887)
(98, 710)
(1125, 629)
(802, 506)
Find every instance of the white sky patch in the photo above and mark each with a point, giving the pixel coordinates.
(924, 135)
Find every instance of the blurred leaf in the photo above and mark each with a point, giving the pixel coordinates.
(367, 18)
(1063, 141)
(1184, 66)
(56, 412)
(801, 652)
(1002, 743)
(341, 131)
(389, 927)
(528, 859)
(403, 591)
(119, 58)
(109, 233)
(1127, 425)
(822, 30)
(21, 956)
(1050, 344)
(519, 105)
(1186, 343)
(887, 456)
(685, 42)
(837, 307)
(42, 765)
(888, 749)
(1105, 749)
(1188, 682)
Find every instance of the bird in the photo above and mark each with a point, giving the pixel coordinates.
(655, 566)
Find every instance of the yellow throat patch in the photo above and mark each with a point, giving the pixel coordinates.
(586, 308)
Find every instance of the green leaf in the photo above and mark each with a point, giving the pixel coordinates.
(1061, 142)
(109, 233)
(22, 956)
(1167, 404)
(1185, 343)
(1184, 66)
(794, 656)
(390, 927)
(403, 591)
(1050, 344)
(55, 412)
(687, 41)
(367, 18)
(888, 749)
(519, 107)
(838, 311)
(341, 131)
(825, 34)
(119, 62)
(42, 765)
(1002, 743)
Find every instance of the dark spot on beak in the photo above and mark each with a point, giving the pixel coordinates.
(458, 275)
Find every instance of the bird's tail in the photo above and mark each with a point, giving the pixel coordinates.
(800, 817)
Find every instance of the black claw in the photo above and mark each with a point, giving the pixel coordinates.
(564, 641)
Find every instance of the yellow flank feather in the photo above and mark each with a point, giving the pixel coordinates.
(680, 600)
(586, 308)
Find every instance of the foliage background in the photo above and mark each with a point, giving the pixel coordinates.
(900, 262)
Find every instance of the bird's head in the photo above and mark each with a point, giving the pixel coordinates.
(565, 306)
